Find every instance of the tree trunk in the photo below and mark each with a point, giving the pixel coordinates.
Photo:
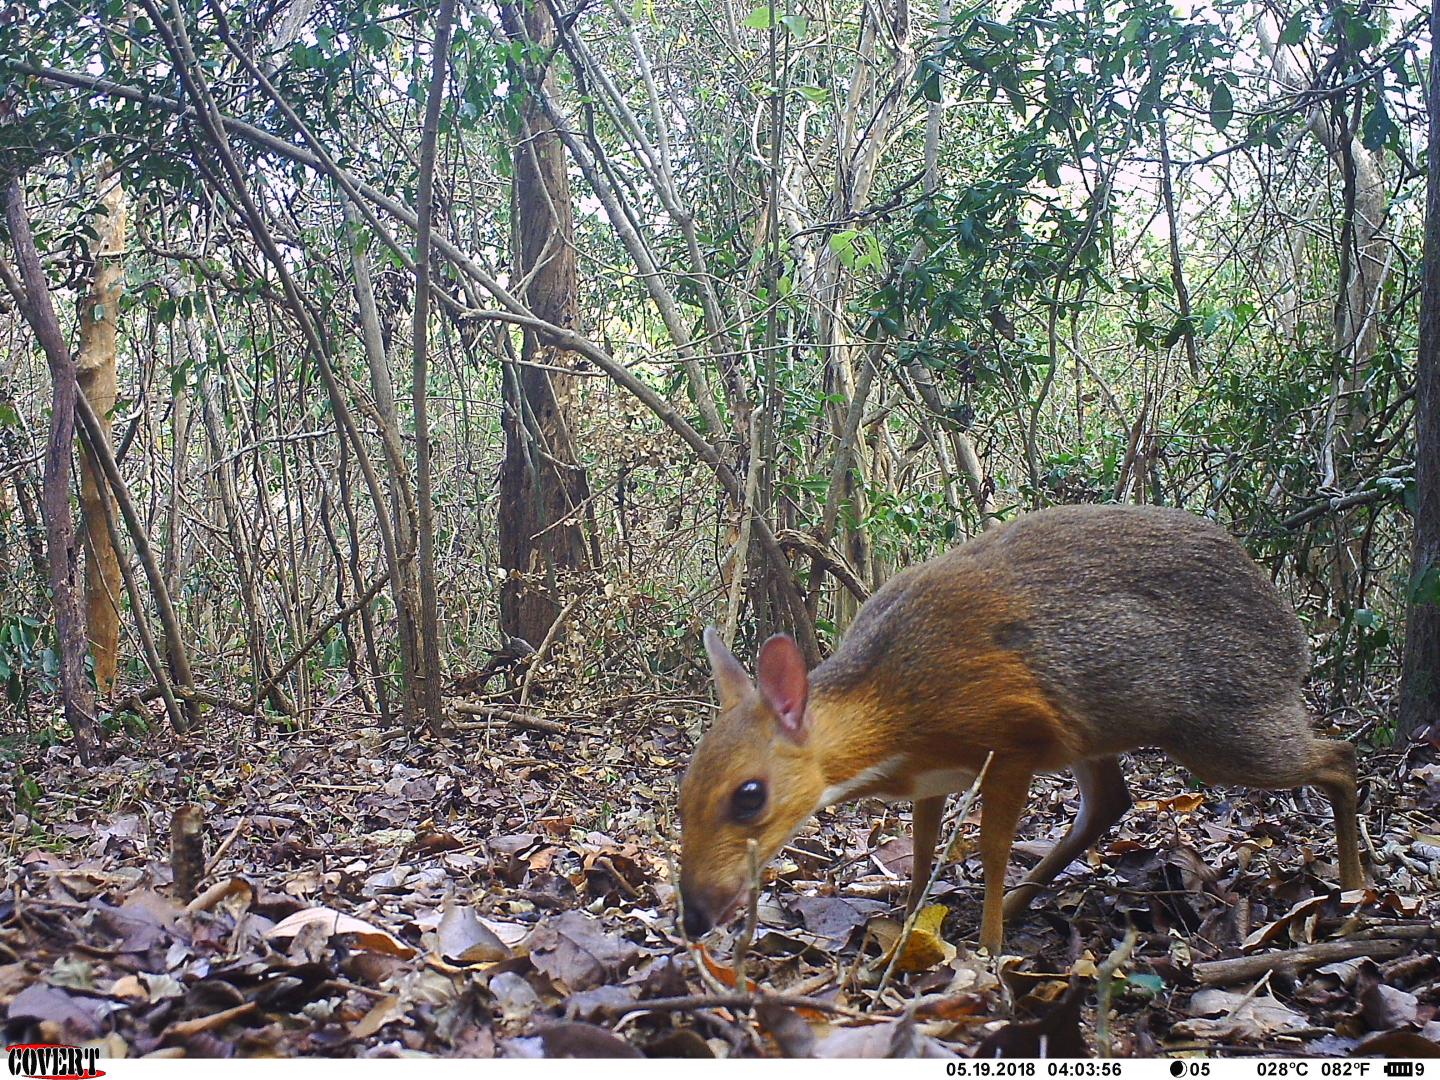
(33, 296)
(399, 557)
(542, 487)
(429, 627)
(1420, 684)
(95, 369)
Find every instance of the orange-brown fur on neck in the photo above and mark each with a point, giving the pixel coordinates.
(924, 674)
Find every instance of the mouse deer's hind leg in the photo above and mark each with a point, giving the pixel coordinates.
(1334, 774)
(1277, 749)
(1104, 799)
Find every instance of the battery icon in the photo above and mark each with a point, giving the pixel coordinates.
(1399, 1068)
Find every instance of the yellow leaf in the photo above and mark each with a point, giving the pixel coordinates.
(926, 948)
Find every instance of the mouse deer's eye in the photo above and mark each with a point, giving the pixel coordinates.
(748, 801)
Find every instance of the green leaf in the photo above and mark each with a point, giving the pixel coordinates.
(762, 18)
(842, 244)
(796, 24)
(1378, 128)
(1425, 587)
(1144, 985)
(1222, 106)
(1174, 334)
(1295, 30)
(997, 32)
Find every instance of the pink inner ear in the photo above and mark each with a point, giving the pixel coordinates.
(784, 681)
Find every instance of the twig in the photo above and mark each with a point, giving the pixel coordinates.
(728, 1001)
(1243, 968)
(940, 863)
(752, 913)
(1105, 987)
(314, 639)
(544, 649)
(226, 844)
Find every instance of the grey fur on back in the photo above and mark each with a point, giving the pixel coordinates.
(1138, 621)
(1150, 616)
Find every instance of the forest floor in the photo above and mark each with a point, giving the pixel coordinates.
(506, 891)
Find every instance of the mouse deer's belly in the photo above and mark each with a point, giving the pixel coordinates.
(934, 782)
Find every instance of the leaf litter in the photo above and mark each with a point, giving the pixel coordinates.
(378, 895)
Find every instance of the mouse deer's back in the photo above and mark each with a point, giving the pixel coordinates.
(1146, 625)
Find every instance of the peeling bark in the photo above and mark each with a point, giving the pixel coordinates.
(95, 364)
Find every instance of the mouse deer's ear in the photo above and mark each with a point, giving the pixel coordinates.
(784, 682)
(732, 684)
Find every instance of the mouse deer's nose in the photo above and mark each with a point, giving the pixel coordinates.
(697, 919)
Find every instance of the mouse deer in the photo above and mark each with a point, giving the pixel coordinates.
(1057, 641)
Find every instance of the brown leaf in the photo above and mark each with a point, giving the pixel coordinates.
(72, 1014)
(724, 973)
(236, 891)
(1238, 1018)
(1382, 1006)
(794, 1037)
(436, 841)
(1399, 1044)
(1056, 1034)
(681, 1043)
(512, 845)
(577, 952)
(462, 937)
(833, 918)
(514, 995)
(384, 1011)
(890, 1039)
(575, 1040)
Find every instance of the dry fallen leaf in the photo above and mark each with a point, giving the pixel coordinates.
(333, 923)
(926, 948)
(385, 1010)
(1237, 1016)
(462, 937)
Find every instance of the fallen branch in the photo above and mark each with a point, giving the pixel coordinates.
(204, 697)
(520, 720)
(1245, 968)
